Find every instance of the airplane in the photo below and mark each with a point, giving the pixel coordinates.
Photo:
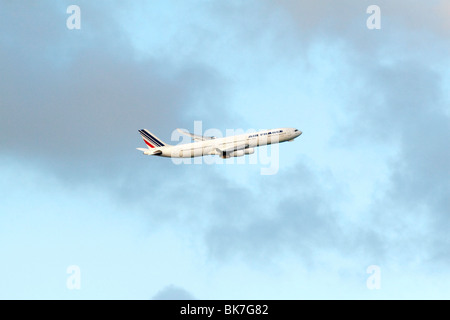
(227, 147)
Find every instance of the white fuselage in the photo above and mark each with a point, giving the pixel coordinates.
(233, 146)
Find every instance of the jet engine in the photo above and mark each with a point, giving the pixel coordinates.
(238, 153)
(249, 151)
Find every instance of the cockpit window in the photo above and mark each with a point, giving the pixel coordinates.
(295, 130)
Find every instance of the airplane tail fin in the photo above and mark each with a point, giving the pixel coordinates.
(151, 140)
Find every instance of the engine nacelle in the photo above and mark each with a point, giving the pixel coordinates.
(249, 151)
(238, 153)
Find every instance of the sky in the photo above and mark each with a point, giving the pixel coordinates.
(357, 207)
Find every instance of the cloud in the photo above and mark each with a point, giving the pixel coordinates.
(172, 292)
(73, 96)
(394, 99)
(73, 101)
(402, 106)
(341, 19)
(412, 110)
(254, 227)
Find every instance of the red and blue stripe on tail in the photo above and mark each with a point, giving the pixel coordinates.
(150, 139)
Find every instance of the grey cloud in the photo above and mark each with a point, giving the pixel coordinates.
(404, 106)
(301, 220)
(399, 103)
(339, 18)
(71, 97)
(292, 27)
(249, 222)
(420, 181)
(74, 101)
(172, 292)
(396, 97)
(409, 106)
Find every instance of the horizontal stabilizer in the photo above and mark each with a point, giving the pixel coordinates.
(150, 152)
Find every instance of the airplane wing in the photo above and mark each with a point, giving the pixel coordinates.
(195, 136)
(232, 146)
